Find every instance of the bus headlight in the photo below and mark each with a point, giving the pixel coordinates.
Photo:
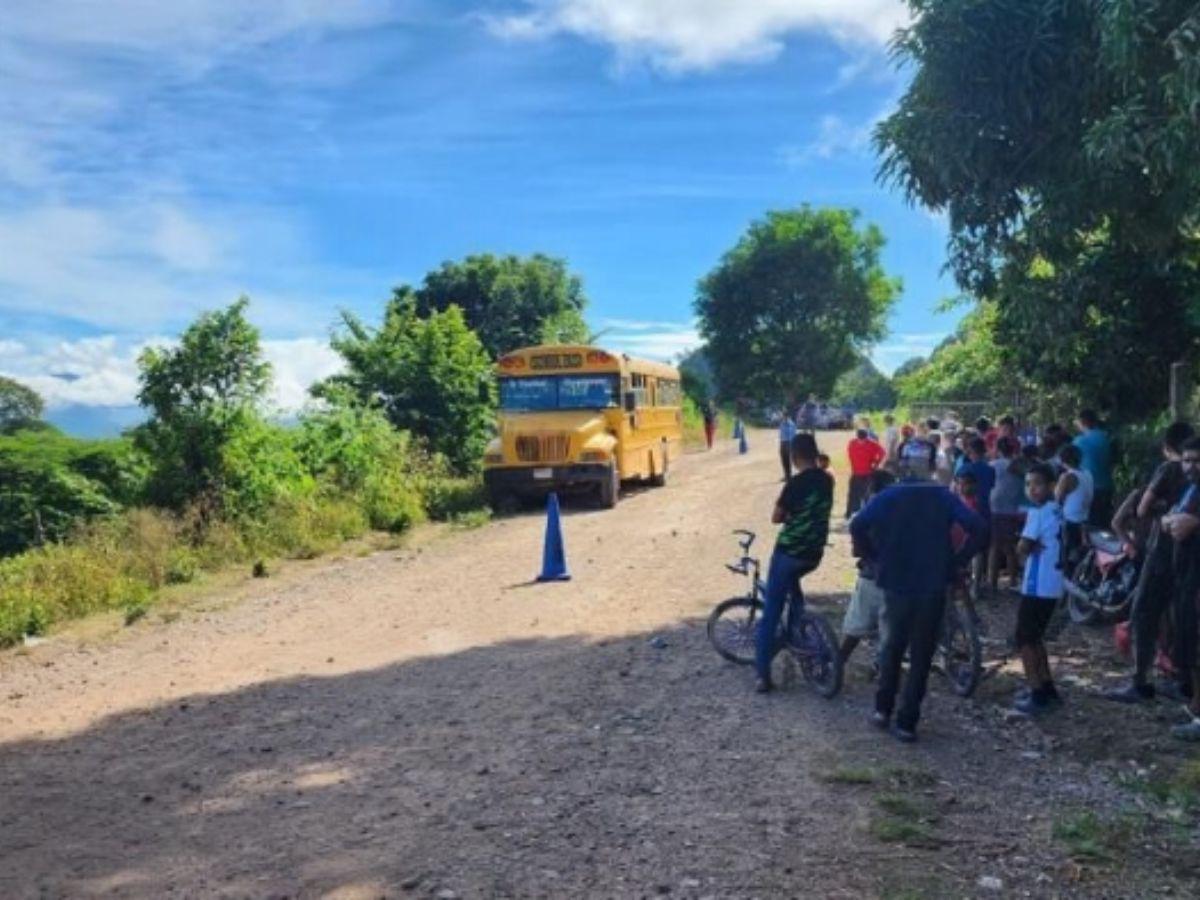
(493, 459)
(593, 456)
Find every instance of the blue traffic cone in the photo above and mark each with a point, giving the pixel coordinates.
(554, 556)
(743, 447)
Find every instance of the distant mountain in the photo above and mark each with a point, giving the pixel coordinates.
(95, 421)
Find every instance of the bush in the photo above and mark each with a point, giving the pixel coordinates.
(448, 498)
(353, 451)
(285, 492)
(1137, 452)
(51, 483)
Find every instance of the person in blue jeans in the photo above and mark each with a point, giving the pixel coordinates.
(803, 510)
(906, 529)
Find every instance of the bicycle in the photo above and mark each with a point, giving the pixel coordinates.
(810, 642)
(958, 656)
(960, 650)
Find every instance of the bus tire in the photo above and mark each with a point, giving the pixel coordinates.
(610, 488)
(659, 478)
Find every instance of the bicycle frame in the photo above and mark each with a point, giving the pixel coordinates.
(750, 567)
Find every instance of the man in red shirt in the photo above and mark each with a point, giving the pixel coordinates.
(866, 456)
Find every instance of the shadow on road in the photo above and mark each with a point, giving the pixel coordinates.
(533, 768)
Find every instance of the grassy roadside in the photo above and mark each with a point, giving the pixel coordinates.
(125, 562)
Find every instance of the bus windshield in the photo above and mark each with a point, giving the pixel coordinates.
(546, 392)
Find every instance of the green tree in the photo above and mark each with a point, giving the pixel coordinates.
(508, 301)
(695, 371)
(1059, 136)
(792, 306)
(50, 483)
(864, 387)
(969, 365)
(354, 451)
(201, 394)
(910, 365)
(431, 375)
(20, 405)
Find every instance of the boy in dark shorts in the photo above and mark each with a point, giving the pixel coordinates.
(1041, 588)
(803, 511)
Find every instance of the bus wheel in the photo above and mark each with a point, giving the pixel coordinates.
(659, 479)
(610, 487)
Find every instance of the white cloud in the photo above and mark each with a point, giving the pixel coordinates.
(681, 35)
(69, 69)
(296, 365)
(835, 137)
(618, 325)
(138, 263)
(95, 371)
(129, 125)
(904, 346)
(665, 341)
(194, 32)
(102, 371)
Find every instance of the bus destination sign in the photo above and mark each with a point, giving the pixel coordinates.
(556, 361)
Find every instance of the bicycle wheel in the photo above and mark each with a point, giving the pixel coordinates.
(1081, 610)
(733, 629)
(961, 651)
(814, 646)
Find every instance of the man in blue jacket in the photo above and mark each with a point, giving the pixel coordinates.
(906, 530)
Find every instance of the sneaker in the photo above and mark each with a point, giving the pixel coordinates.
(904, 735)
(1173, 690)
(1131, 693)
(880, 720)
(1188, 731)
(763, 686)
(1031, 704)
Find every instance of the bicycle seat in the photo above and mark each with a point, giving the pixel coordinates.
(1105, 541)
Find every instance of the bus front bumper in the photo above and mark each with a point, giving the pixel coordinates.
(542, 479)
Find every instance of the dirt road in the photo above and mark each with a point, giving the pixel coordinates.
(426, 722)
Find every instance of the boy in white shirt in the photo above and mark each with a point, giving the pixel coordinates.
(1041, 588)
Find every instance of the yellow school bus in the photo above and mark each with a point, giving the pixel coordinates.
(573, 416)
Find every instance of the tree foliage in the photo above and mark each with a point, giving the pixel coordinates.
(1060, 137)
(202, 396)
(864, 387)
(430, 374)
(696, 374)
(793, 304)
(910, 365)
(20, 406)
(508, 301)
(50, 483)
(354, 451)
(969, 365)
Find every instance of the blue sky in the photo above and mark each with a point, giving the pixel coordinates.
(160, 159)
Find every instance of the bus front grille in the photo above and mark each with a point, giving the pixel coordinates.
(543, 448)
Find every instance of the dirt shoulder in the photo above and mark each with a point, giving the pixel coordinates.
(428, 722)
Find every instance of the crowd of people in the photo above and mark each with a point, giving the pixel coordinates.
(932, 503)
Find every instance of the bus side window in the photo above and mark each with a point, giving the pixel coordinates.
(639, 389)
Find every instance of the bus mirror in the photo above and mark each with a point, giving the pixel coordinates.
(630, 401)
